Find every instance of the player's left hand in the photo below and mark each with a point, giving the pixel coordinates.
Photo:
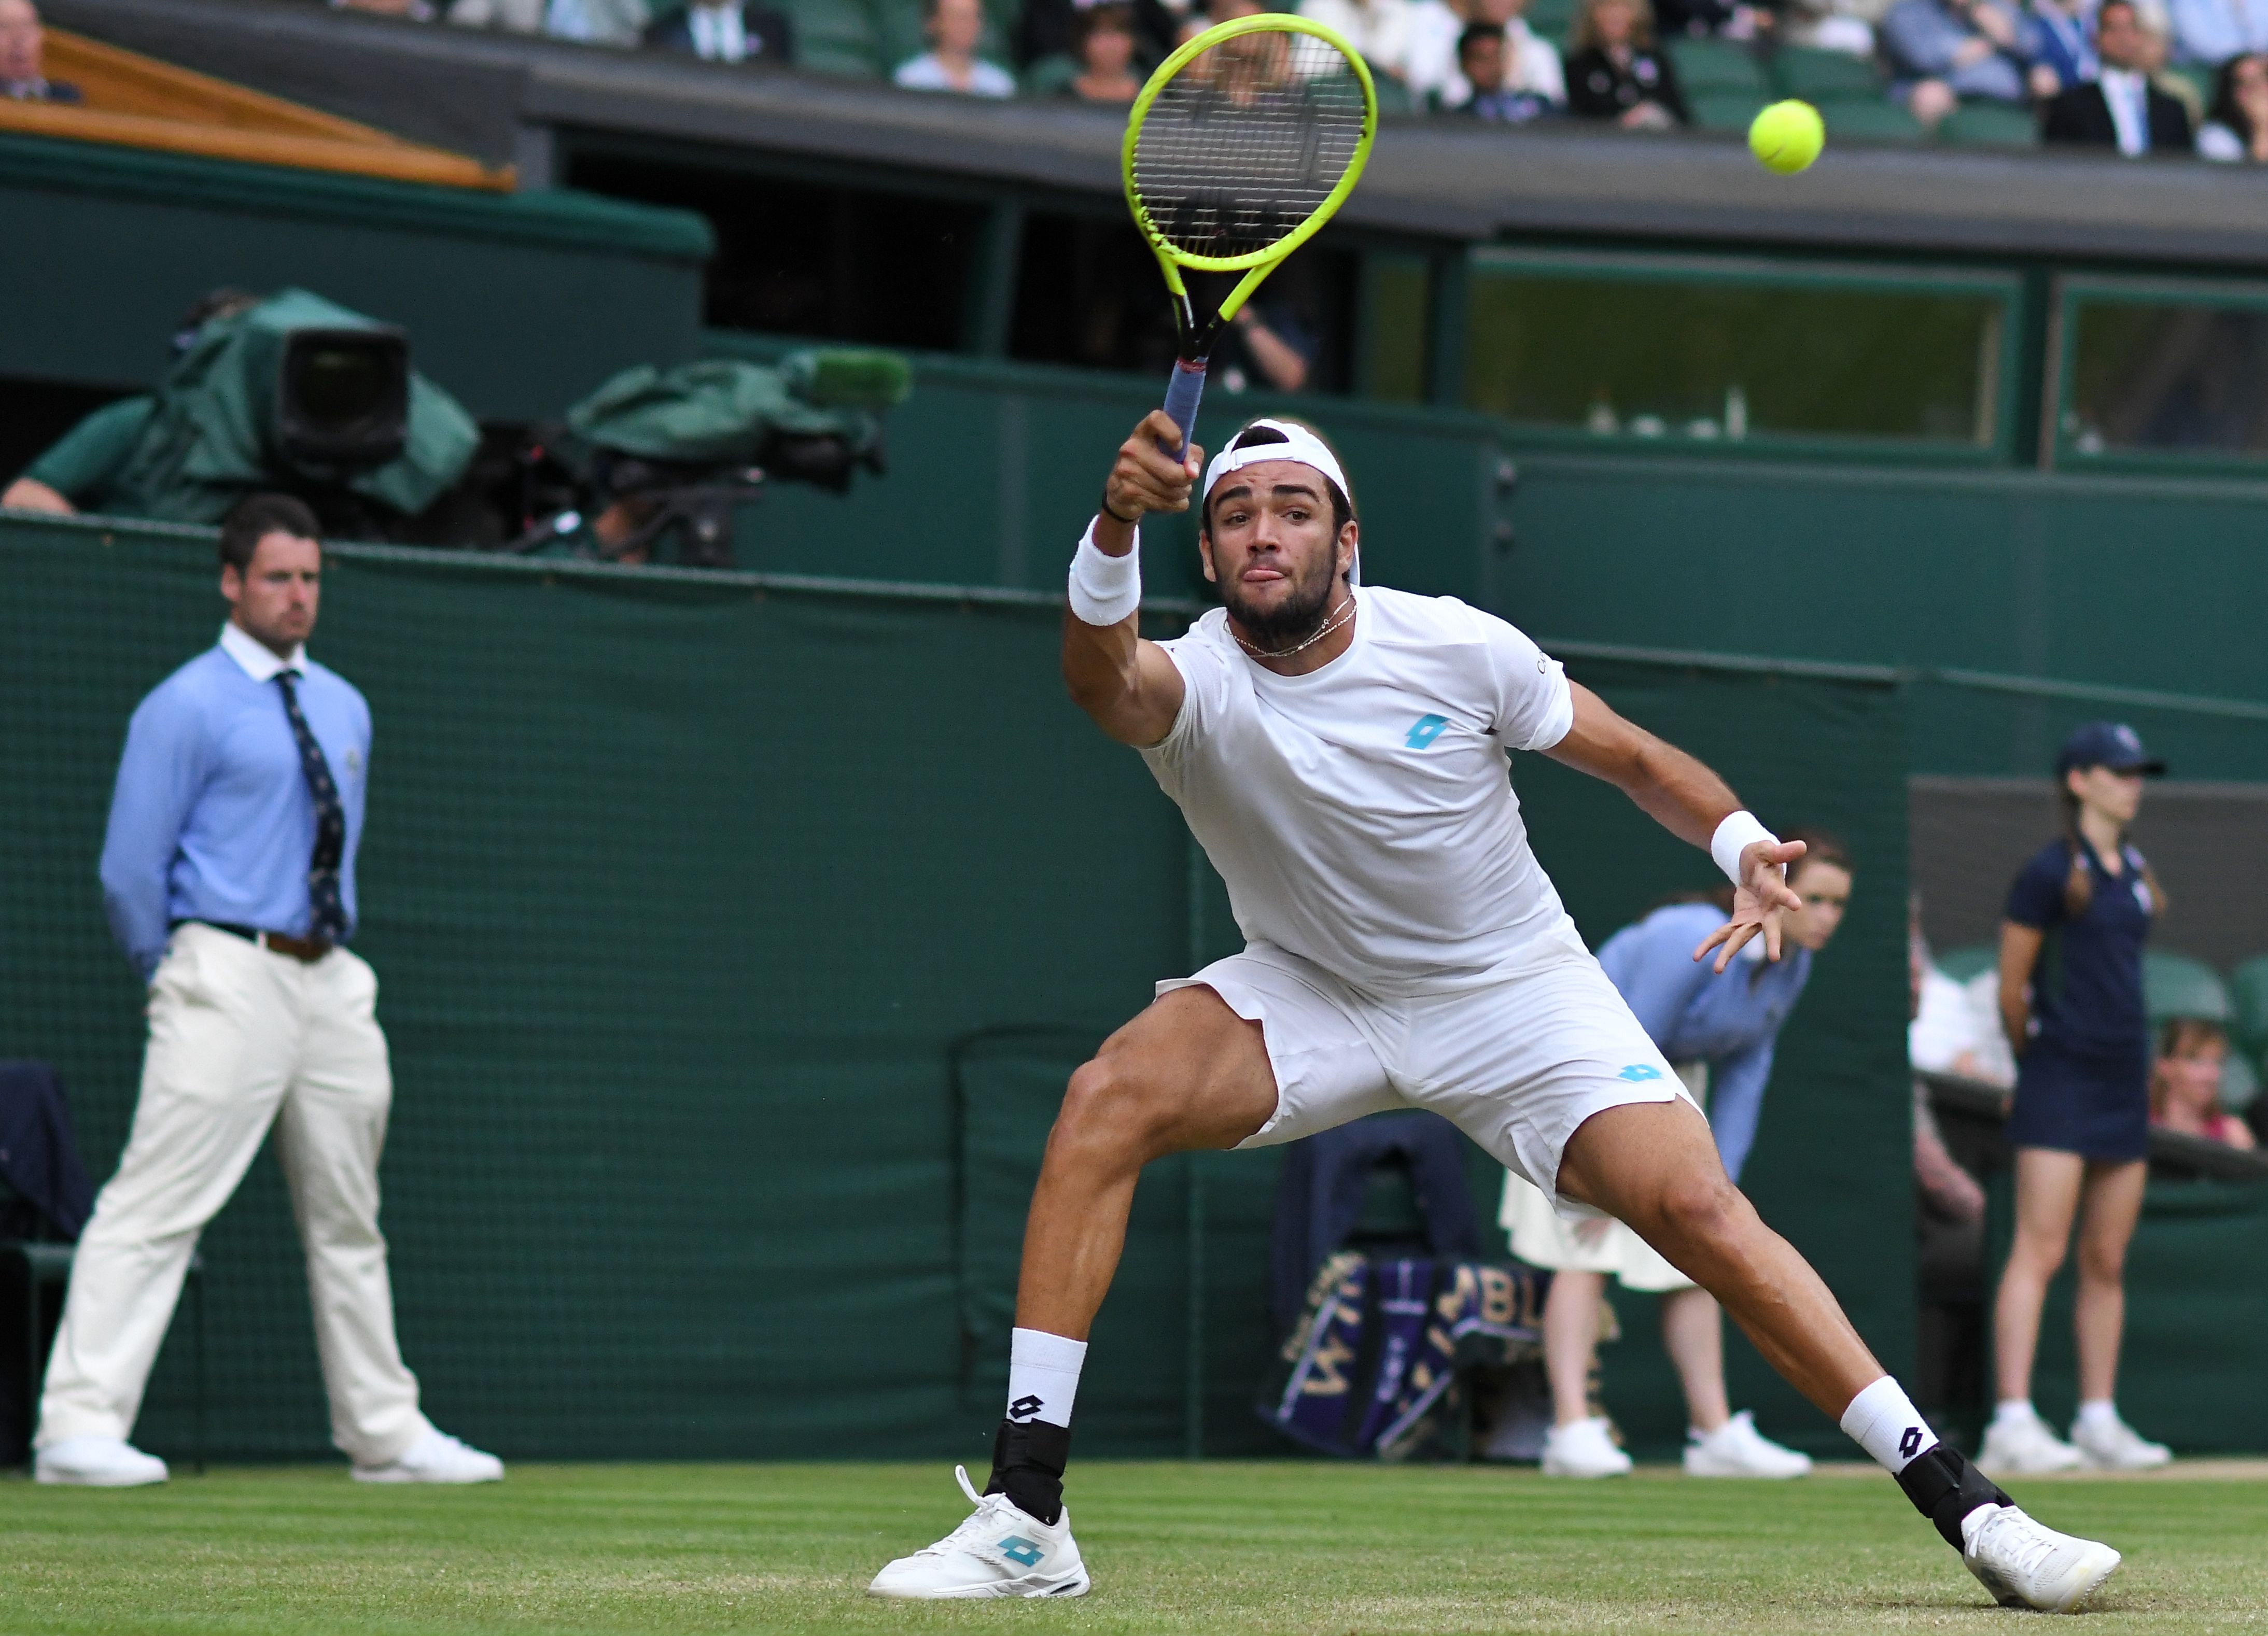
(1760, 903)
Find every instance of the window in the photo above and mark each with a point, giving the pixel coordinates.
(1708, 354)
(2157, 374)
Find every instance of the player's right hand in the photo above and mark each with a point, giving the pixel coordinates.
(1145, 477)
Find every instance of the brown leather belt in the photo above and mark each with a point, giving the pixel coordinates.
(307, 951)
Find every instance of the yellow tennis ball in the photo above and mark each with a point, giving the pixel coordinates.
(1788, 137)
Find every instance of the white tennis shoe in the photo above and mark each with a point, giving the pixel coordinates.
(1583, 1448)
(436, 1458)
(1737, 1448)
(998, 1550)
(2116, 1446)
(2021, 1445)
(97, 1463)
(2026, 1566)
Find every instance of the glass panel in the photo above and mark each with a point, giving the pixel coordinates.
(1732, 356)
(2167, 375)
(1393, 337)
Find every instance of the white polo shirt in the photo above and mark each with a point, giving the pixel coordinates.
(1362, 815)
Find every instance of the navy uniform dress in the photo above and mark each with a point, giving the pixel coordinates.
(2083, 1082)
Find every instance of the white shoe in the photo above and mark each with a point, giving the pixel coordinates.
(2024, 1447)
(1737, 1448)
(98, 1463)
(998, 1550)
(1583, 1450)
(436, 1458)
(2026, 1566)
(2117, 1447)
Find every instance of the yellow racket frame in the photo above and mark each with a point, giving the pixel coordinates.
(1261, 262)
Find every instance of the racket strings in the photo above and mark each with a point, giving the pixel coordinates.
(1246, 143)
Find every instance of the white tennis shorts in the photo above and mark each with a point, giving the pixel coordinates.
(1542, 1237)
(1516, 1062)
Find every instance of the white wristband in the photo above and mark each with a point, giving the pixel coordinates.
(1735, 835)
(1105, 589)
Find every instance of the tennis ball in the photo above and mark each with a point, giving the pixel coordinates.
(1788, 137)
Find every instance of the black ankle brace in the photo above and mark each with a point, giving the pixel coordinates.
(1945, 1488)
(1027, 1466)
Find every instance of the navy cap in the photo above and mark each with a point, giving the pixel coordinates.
(2113, 744)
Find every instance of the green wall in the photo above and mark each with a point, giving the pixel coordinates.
(687, 891)
(518, 304)
(2118, 583)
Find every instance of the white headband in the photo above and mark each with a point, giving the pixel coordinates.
(1299, 444)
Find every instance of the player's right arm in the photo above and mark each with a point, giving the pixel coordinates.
(1130, 686)
(2020, 951)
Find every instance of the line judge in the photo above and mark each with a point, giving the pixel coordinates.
(228, 873)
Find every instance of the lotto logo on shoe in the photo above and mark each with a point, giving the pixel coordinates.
(1639, 1071)
(1018, 1549)
(1024, 1407)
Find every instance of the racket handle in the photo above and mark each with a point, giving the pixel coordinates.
(1181, 395)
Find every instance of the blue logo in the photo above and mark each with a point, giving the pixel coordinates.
(1016, 1548)
(1427, 729)
(1640, 1070)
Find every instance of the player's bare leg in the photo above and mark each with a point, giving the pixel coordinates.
(1188, 1072)
(1654, 1166)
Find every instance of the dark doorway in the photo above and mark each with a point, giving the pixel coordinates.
(803, 259)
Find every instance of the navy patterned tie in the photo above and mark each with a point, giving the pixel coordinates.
(327, 910)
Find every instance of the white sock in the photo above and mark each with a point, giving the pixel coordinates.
(1042, 1376)
(2009, 1410)
(1882, 1420)
(2097, 1411)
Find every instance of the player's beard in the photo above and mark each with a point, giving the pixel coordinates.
(1291, 621)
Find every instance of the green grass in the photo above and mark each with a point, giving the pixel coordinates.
(1288, 1547)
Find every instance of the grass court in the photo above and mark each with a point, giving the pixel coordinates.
(1228, 1547)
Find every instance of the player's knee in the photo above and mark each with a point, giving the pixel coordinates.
(1107, 1114)
(1701, 1209)
(2041, 1254)
(2101, 1263)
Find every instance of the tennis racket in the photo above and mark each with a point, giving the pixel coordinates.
(1241, 146)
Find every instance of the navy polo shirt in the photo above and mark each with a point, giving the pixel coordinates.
(2086, 987)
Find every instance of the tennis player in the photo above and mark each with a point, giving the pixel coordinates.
(1339, 750)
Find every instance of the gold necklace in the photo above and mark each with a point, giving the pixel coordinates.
(1285, 653)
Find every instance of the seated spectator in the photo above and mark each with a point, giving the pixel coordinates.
(596, 22)
(2063, 47)
(411, 10)
(2186, 1083)
(1106, 55)
(951, 64)
(1843, 26)
(1531, 62)
(726, 31)
(1481, 53)
(1435, 27)
(2238, 131)
(1265, 347)
(1617, 72)
(513, 17)
(1051, 28)
(2122, 109)
(1941, 51)
(1733, 19)
(23, 58)
(2212, 32)
(1378, 30)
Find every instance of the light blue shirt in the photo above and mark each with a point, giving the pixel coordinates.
(210, 819)
(2210, 32)
(1731, 1022)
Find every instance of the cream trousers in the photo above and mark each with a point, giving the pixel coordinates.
(241, 1039)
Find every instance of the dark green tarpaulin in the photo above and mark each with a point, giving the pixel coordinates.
(683, 890)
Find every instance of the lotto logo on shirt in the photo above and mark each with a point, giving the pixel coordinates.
(1425, 730)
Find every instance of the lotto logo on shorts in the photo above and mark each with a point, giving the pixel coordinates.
(1640, 1070)
(1426, 730)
